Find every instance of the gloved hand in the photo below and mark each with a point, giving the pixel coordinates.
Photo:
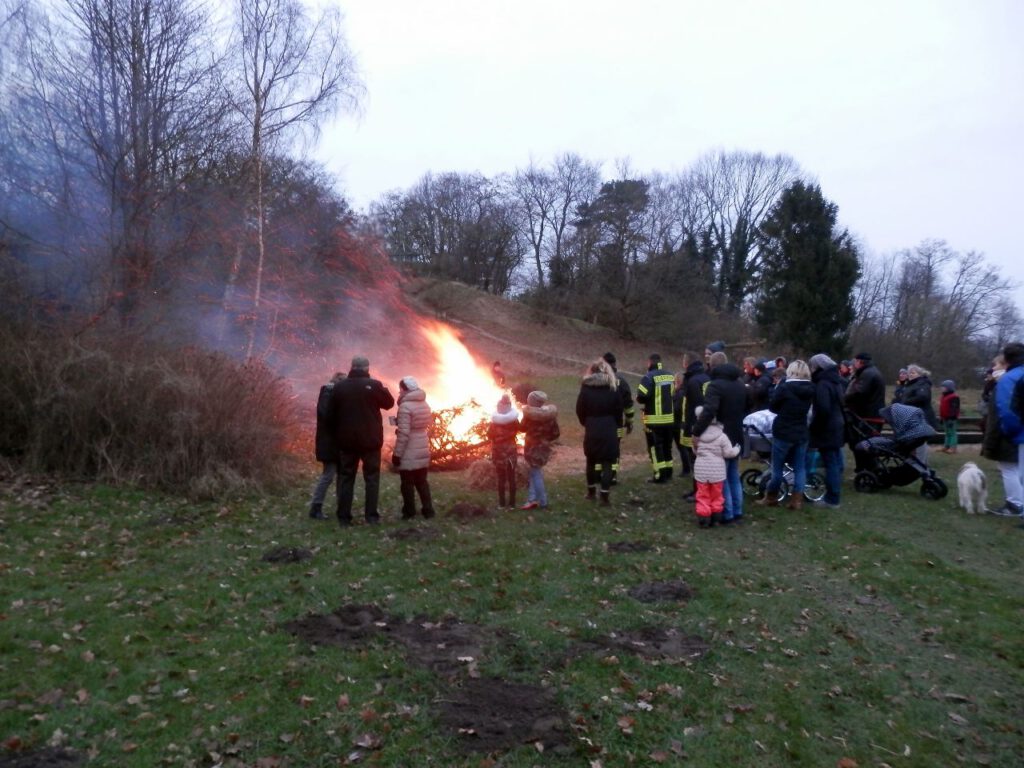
(396, 460)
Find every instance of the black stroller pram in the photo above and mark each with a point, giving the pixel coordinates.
(890, 460)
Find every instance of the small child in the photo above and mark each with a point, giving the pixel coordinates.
(502, 433)
(713, 448)
(540, 423)
(949, 414)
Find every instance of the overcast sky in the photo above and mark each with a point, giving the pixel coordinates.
(909, 113)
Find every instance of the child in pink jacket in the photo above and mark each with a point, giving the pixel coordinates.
(713, 448)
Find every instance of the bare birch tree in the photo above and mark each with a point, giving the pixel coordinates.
(293, 71)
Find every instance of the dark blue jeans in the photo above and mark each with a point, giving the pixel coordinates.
(782, 450)
(832, 461)
(732, 490)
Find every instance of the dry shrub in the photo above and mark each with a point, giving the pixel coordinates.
(481, 475)
(127, 411)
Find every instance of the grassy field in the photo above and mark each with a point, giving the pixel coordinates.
(140, 630)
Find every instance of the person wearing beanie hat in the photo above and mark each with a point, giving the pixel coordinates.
(865, 397)
(411, 455)
(949, 415)
(540, 426)
(502, 434)
(354, 414)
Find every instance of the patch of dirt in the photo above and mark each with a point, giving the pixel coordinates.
(348, 625)
(627, 547)
(286, 555)
(414, 533)
(463, 510)
(650, 643)
(662, 591)
(51, 757)
(489, 715)
(445, 647)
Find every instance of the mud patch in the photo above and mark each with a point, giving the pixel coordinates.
(286, 555)
(659, 643)
(662, 591)
(445, 647)
(490, 715)
(463, 510)
(628, 547)
(43, 758)
(347, 626)
(414, 534)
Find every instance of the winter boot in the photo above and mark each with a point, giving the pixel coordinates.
(716, 519)
(796, 502)
(591, 493)
(606, 499)
(771, 499)
(704, 521)
(316, 511)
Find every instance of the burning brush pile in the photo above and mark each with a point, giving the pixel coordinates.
(462, 394)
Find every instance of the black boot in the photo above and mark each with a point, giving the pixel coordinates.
(606, 499)
(716, 519)
(316, 511)
(591, 492)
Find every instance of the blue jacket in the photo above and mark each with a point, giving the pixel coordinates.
(1009, 421)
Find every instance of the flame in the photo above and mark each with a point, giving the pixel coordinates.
(458, 379)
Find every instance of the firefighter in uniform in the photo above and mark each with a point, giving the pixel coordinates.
(654, 393)
(626, 396)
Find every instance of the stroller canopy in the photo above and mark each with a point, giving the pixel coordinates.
(907, 421)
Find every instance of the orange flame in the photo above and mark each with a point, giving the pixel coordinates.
(458, 379)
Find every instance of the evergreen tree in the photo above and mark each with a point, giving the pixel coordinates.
(808, 273)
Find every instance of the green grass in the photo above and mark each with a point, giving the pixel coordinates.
(144, 631)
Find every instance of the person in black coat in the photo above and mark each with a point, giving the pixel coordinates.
(353, 413)
(865, 397)
(760, 387)
(695, 379)
(326, 449)
(828, 424)
(791, 402)
(599, 410)
(725, 399)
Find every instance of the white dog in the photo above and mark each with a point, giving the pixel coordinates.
(973, 488)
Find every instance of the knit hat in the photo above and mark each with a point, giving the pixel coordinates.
(820, 362)
(609, 358)
(360, 363)
(865, 356)
(504, 404)
(716, 346)
(949, 384)
(536, 398)
(408, 382)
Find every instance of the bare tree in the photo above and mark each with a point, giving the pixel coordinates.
(534, 191)
(293, 72)
(736, 190)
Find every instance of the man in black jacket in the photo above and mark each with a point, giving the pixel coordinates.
(725, 400)
(865, 397)
(354, 413)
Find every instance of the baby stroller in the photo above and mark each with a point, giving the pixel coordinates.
(890, 460)
(758, 443)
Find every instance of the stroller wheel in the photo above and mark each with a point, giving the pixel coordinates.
(933, 488)
(865, 482)
(751, 482)
(814, 489)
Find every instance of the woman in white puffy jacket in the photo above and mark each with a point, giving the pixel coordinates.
(412, 447)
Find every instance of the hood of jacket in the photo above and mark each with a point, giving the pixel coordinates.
(697, 366)
(802, 389)
(726, 371)
(827, 374)
(600, 380)
(712, 432)
(412, 395)
(545, 412)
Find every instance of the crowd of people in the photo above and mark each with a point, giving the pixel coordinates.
(813, 408)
